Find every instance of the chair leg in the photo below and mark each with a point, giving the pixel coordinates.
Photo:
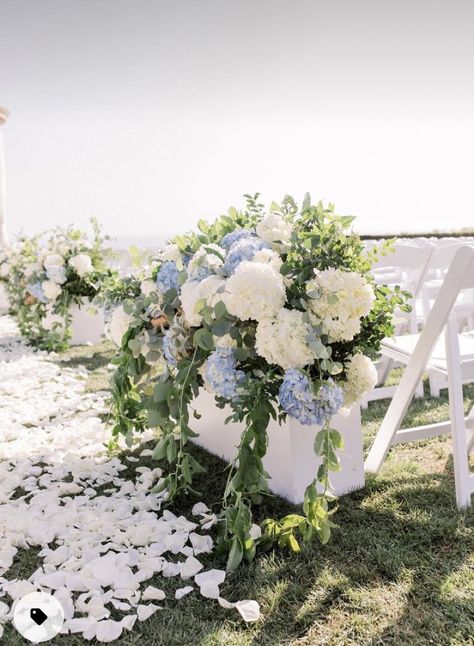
(419, 392)
(458, 425)
(435, 386)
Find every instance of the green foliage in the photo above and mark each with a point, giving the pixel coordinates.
(151, 391)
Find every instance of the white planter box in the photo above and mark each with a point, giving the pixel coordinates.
(290, 459)
(4, 304)
(87, 327)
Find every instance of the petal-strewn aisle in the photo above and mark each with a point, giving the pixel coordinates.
(99, 537)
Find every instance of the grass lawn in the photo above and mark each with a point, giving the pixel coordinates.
(399, 570)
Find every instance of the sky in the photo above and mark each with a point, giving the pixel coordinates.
(150, 114)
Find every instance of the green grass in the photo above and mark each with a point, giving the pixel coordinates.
(398, 571)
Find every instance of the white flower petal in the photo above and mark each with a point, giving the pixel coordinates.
(182, 592)
(108, 631)
(152, 593)
(145, 612)
(250, 610)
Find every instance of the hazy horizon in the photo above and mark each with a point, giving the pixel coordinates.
(152, 115)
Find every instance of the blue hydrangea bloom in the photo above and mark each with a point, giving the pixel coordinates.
(234, 236)
(202, 273)
(170, 358)
(167, 276)
(244, 249)
(298, 400)
(36, 290)
(222, 375)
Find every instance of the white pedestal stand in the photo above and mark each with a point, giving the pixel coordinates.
(87, 326)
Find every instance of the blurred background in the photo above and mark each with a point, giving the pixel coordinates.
(152, 114)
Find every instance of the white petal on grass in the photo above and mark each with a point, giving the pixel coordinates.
(200, 509)
(182, 592)
(108, 631)
(201, 544)
(128, 621)
(210, 590)
(152, 593)
(249, 610)
(145, 612)
(190, 568)
(218, 576)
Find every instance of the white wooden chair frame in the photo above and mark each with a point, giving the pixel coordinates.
(410, 257)
(459, 276)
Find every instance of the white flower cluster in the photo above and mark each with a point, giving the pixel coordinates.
(193, 291)
(119, 324)
(282, 340)
(274, 229)
(82, 264)
(339, 299)
(361, 377)
(205, 261)
(254, 291)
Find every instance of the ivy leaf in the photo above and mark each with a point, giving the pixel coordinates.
(161, 390)
(202, 338)
(319, 442)
(294, 545)
(220, 310)
(221, 327)
(235, 555)
(159, 451)
(336, 439)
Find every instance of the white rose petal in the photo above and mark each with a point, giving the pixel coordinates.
(182, 592)
(145, 612)
(152, 593)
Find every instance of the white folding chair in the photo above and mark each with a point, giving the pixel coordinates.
(405, 267)
(454, 359)
(440, 261)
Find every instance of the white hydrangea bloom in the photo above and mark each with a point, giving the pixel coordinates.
(192, 291)
(345, 297)
(203, 258)
(361, 378)
(274, 228)
(171, 252)
(51, 290)
(82, 264)
(282, 340)
(254, 291)
(4, 269)
(270, 257)
(53, 259)
(119, 324)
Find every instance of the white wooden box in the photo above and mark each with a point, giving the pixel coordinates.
(4, 304)
(290, 459)
(87, 324)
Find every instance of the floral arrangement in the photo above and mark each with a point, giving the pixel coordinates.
(277, 315)
(45, 275)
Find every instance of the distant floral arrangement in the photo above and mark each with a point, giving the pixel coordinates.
(46, 274)
(273, 311)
